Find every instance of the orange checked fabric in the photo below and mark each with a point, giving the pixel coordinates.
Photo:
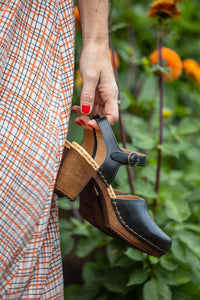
(36, 83)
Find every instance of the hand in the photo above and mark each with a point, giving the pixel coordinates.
(100, 92)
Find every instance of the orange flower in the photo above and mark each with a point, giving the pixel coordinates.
(173, 61)
(164, 9)
(197, 76)
(116, 57)
(77, 18)
(78, 79)
(192, 68)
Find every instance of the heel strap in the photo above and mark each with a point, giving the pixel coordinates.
(115, 157)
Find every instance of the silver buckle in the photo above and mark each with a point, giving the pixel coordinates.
(135, 157)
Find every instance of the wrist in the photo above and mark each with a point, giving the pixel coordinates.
(96, 48)
(95, 41)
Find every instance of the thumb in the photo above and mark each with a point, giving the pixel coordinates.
(88, 93)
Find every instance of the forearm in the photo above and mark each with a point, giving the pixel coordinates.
(94, 21)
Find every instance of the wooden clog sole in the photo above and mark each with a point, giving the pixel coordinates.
(72, 180)
(96, 207)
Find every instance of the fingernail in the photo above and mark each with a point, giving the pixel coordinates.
(85, 109)
(73, 110)
(82, 122)
(78, 123)
(90, 125)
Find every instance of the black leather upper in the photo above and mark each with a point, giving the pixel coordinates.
(134, 216)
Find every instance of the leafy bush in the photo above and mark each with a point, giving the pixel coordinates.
(115, 271)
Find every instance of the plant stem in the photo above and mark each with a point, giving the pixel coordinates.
(76, 212)
(122, 131)
(160, 84)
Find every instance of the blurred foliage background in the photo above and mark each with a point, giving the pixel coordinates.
(96, 266)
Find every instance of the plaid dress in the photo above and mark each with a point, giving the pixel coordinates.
(36, 83)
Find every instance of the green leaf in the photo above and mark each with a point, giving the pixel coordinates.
(190, 239)
(168, 262)
(87, 244)
(115, 279)
(137, 277)
(188, 126)
(76, 222)
(174, 177)
(173, 193)
(114, 251)
(182, 274)
(89, 291)
(66, 242)
(148, 91)
(158, 68)
(72, 292)
(192, 227)
(177, 210)
(153, 260)
(195, 276)
(92, 273)
(189, 291)
(194, 195)
(143, 140)
(193, 152)
(64, 203)
(161, 218)
(82, 229)
(118, 26)
(192, 259)
(126, 99)
(166, 277)
(149, 173)
(156, 289)
(134, 254)
(134, 124)
(145, 190)
(169, 149)
(123, 261)
(85, 247)
(178, 250)
(65, 225)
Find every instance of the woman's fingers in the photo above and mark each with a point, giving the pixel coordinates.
(105, 104)
(100, 92)
(90, 81)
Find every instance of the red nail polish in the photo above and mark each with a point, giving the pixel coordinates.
(77, 122)
(85, 109)
(90, 125)
(82, 122)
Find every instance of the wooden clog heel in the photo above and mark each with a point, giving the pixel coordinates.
(74, 173)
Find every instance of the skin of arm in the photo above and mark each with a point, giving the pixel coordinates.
(99, 93)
